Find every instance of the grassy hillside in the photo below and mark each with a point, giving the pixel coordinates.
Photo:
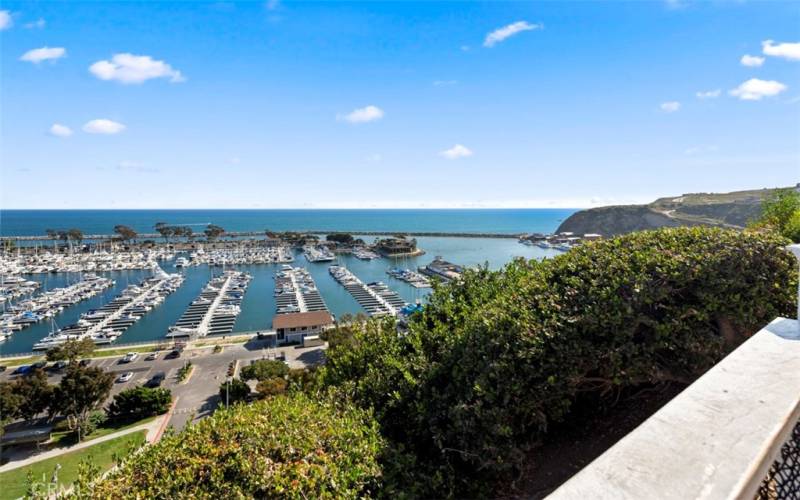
(732, 210)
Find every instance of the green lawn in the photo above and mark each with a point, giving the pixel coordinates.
(68, 438)
(15, 483)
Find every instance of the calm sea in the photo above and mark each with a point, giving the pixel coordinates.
(258, 307)
(512, 221)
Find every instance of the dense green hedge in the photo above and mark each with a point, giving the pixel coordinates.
(292, 447)
(498, 357)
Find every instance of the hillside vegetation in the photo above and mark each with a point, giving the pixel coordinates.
(495, 361)
(731, 210)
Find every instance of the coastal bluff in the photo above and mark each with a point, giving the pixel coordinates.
(731, 210)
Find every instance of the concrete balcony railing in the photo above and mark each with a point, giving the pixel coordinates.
(733, 434)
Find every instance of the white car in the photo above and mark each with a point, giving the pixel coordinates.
(131, 356)
(125, 377)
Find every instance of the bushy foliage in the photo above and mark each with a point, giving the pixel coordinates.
(498, 357)
(264, 369)
(288, 447)
(233, 391)
(781, 213)
(140, 402)
(71, 350)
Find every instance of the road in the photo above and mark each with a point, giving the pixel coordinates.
(198, 396)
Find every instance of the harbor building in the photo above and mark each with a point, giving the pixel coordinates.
(394, 247)
(294, 327)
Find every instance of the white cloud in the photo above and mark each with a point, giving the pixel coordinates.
(5, 20)
(59, 130)
(38, 24)
(43, 54)
(444, 83)
(751, 61)
(129, 68)
(755, 89)
(670, 106)
(785, 50)
(362, 115)
(512, 29)
(709, 94)
(456, 152)
(103, 126)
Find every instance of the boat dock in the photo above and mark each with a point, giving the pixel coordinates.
(413, 278)
(216, 309)
(296, 291)
(50, 303)
(376, 298)
(106, 324)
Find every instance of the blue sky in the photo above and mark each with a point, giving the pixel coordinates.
(284, 104)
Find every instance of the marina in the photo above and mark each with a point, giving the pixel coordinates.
(413, 278)
(215, 310)
(48, 303)
(376, 298)
(239, 256)
(258, 307)
(296, 291)
(318, 254)
(45, 261)
(106, 324)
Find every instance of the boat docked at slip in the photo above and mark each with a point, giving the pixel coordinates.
(318, 254)
(181, 262)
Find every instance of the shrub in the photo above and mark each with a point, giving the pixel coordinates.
(271, 387)
(140, 402)
(498, 357)
(234, 391)
(289, 447)
(264, 369)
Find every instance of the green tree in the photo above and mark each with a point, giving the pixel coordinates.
(10, 402)
(71, 350)
(213, 232)
(81, 391)
(781, 212)
(165, 230)
(233, 391)
(125, 233)
(264, 369)
(35, 393)
(75, 235)
(140, 402)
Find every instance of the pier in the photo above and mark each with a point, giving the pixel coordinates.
(376, 298)
(105, 325)
(215, 310)
(296, 291)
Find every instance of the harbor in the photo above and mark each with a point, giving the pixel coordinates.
(258, 306)
(375, 298)
(215, 310)
(106, 324)
(47, 304)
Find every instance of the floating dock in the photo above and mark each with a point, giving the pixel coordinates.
(216, 309)
(296, 291)
(106, 324)
(376, 298)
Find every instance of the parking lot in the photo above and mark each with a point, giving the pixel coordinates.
(197, 396)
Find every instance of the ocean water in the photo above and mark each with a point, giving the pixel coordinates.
(258, 307)
(510, 221)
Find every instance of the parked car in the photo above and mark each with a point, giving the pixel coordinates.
(130, 357)
(57, 366)
(173, 354)
(21, 370)
(156, 380)
(85, 362)
(125, 377)
(2, 368)
(152, 356)
(39, 365)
